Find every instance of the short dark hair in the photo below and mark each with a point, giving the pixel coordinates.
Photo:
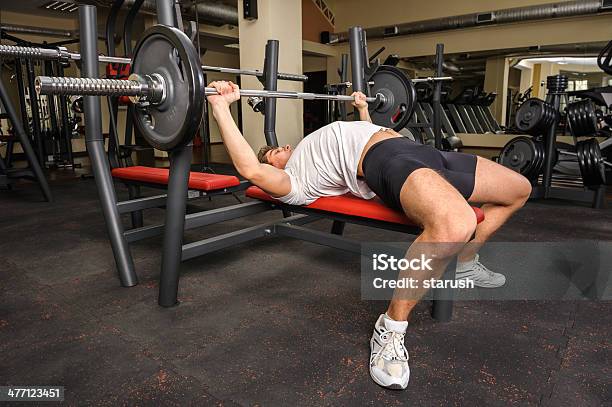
(261, 155)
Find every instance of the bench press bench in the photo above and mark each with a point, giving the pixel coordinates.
(205, 183)
(158, 177)
(341, 209)
(201, 183)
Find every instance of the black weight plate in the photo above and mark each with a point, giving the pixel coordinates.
(531, 116)
(168, 52)
(582, 118)
(599, 169)
(582, 164)
(539, 161)
(590, 118)
(590, 162)
(520, 155)
(400, 95)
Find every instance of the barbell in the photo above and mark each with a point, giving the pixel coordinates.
(62, 54)
(151, 89)
(167, 86)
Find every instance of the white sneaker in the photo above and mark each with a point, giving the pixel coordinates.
(388, 355)
(480, 274)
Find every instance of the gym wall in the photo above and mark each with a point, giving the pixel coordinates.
(550, 32)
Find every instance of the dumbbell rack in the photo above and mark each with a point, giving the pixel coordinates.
(544, 188)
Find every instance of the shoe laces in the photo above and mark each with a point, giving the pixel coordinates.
(481, 267)
(393, 346)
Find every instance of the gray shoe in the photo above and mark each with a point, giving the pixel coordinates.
(480, 274)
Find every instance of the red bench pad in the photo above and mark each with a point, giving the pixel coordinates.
(353, 206)
(200, 181)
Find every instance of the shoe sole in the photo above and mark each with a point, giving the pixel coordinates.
(483, 285)
(394, 386)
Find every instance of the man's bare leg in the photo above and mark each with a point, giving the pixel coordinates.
(448, 223)
(503, 192)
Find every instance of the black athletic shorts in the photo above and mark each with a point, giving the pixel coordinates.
(387, 165)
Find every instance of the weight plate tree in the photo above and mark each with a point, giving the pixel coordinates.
(400, 95)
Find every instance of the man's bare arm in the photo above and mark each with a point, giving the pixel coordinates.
(272, 180)
(364, 114)
(362, 106)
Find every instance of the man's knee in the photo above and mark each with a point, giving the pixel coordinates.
(523, 190)
(455, 225)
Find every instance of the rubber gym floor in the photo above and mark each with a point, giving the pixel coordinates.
(272, 322)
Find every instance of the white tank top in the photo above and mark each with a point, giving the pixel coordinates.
(325, 163)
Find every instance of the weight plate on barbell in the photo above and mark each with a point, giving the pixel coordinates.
(400, 95)
(168, 52)
(520, 154)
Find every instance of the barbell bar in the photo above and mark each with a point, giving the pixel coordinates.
(570, 153)
(430, 79)
(62, 54)
(150, 89)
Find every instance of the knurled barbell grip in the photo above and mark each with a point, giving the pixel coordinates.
(54, 54)
(147, 89)
(53, 85)
(16, 51)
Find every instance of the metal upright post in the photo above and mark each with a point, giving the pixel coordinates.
(95, 147)
(55, 130)
(22, 107)
(176, 203)
(165, 12)
(25, 143)
(437, 95)
(556, 86)
(36, 135)
(270, 83)
(357, 62)
(66, 130)
(443, 298)
(343, 79)
(114, 152)
(20, 88)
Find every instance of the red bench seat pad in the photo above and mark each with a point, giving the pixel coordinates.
(353, 206)
(200, 181)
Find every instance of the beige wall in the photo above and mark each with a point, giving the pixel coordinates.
(553, 31)
(280, 20)
(496, 80)
(314, 64)
(386, 12)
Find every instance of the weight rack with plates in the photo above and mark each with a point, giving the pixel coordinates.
(536, 155)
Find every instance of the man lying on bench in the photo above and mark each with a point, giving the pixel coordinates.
(432, 187)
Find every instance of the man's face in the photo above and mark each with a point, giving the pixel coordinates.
(279, 156)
